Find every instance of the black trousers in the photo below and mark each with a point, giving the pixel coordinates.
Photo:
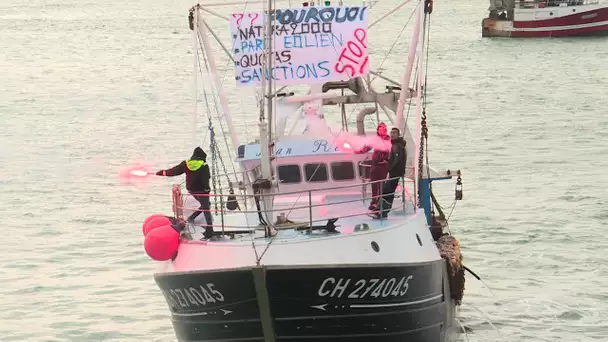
(203, 199)
(388, 196)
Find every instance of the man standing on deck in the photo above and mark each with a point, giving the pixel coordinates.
(396, 170)
(379, 166)
(197, 184)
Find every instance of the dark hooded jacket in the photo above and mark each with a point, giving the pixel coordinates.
(196, 170)
(397, 159)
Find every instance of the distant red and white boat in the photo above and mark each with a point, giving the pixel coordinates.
(546, 18)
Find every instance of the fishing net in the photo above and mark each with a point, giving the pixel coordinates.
(449, 249)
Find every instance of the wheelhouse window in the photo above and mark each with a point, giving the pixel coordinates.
(341, 171)
(315, 172)
(289, 174)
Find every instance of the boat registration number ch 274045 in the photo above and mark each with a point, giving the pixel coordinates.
(364, 288)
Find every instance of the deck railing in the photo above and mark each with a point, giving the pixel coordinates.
(242, 197)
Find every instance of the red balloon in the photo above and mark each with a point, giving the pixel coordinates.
(161, 243)
(149, 218)
(155, 221)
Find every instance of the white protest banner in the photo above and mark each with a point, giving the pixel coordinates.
(310, 45)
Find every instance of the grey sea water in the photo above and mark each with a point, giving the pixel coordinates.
(87, 87)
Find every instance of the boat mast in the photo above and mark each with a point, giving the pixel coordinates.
(194, 22)
(266, 95)
(208, 49)
(266, 147)
(269, 93)
(405, 82)
(265, 99)
(418, 150)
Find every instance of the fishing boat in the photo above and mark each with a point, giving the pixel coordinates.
(296, 254)
(546, 18)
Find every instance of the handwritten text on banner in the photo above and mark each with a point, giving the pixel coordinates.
(310, 45)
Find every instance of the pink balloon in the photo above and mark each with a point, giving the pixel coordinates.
(161, 243)
(155, 221)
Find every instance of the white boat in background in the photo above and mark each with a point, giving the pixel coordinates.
(299, 258)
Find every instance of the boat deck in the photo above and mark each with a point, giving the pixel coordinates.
(350, 210)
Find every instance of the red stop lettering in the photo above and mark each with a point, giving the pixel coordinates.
(353, 59)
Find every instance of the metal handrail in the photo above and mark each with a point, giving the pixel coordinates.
(304, 191)
(302, 207)
(179, 208)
